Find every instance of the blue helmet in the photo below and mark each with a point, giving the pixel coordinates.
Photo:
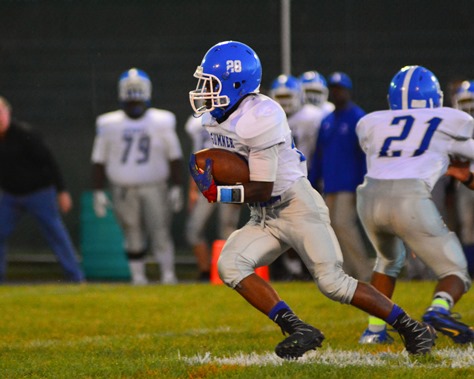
(315, 88)
(134, 85)
(286, 90)
(414, 87)
(228, 71)
(340, 79)
(464, 97)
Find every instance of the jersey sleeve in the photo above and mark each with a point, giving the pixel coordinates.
(361, 131)
(99, 146)
(463, 149)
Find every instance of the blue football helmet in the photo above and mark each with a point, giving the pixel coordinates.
(286, 90)
(315, 89)
(229, 71)
(134, 85)
(464, 97)
(414, 87)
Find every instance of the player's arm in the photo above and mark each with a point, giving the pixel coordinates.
(99, 178)
(262, 167)
(461, 171)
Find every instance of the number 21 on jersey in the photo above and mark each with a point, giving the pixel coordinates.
(407, 122)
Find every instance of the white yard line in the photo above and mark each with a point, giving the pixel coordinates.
(448, 358)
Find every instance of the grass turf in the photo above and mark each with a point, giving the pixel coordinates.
(201, 331)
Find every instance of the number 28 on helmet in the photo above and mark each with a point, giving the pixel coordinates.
(414, 87)
(229, 71)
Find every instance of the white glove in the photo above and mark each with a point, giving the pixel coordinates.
(175, 197)
(101, 203)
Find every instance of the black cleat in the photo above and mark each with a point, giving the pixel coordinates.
(418, 337)
(446, 322)
(303, 337)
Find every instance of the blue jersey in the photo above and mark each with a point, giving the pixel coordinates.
(339, 161)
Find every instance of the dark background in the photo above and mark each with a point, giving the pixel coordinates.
(60, 60)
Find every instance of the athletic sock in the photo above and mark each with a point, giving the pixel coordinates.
(376, 324)
(442, 300)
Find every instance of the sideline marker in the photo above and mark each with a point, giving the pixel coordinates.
(217, 246)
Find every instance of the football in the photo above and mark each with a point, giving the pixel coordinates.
(228, 168)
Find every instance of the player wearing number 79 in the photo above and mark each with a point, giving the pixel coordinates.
(286, 212)
(137, 149)
(408, 148)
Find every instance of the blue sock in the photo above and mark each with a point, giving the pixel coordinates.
(281, 305)
(394, 314)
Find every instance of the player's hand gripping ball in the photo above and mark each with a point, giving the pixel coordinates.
(228, 168)
(203, 178)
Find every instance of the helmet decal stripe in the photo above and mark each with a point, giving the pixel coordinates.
(406, 86)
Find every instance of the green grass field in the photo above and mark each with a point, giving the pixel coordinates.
(201, 331)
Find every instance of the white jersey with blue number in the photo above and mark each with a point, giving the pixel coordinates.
(136, 151)
(415, 143)
(257, 124)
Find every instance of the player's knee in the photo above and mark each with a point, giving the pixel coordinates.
(233, 268)
(334, 283)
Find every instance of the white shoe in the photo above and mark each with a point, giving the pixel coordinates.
(140, 281)
(169, 278)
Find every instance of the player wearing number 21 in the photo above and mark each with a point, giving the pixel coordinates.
(285, 211)
(137, 149)
(408, 148)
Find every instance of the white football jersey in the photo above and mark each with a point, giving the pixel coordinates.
(199, 136)
(136, 151)
(304, 125)
(260, 123)
(415, 143)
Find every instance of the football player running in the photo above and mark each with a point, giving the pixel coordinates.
(285, 210)
(408, 148)
(137, 149)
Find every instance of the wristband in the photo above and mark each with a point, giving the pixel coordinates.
(469, 180)
(230, 194)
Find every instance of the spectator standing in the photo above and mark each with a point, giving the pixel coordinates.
(338, 168)
(137, 149)
(32, 183)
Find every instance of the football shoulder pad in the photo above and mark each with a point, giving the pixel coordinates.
(458, 124)
(262, 124)
(164, 118)
(109, 119)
